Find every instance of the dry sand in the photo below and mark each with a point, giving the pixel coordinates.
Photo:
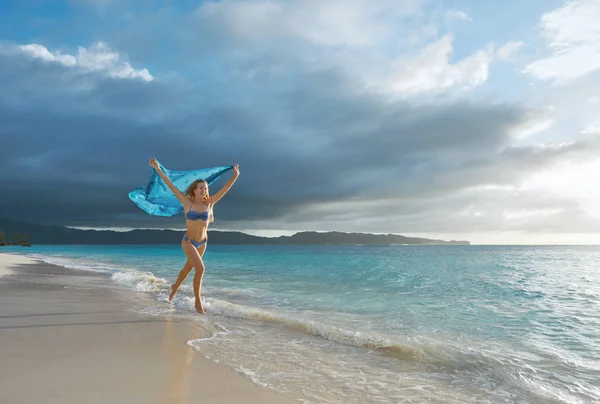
(69, 336)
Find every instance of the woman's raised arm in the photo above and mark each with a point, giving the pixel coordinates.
(182, 198)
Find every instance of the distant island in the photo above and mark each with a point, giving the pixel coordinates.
(38, 234)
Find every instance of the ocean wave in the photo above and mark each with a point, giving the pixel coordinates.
(468, 357)
(233, 292)
(140, 281)
(508, 368)
(368, 340)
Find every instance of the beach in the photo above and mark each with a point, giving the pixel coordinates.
(309, 324)
(71, 336)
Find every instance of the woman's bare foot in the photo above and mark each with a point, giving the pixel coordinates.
(199, 307)
(173, 291)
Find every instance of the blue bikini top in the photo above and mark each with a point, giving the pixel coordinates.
(193, 215)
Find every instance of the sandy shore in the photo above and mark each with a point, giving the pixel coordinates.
(71, 337)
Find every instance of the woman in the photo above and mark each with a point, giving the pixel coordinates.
(197, 205)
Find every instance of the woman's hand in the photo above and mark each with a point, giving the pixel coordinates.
(236, 169)
(153, 163)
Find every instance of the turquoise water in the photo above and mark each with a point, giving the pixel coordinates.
(394, 324)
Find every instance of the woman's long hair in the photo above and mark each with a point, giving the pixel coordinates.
(189, 192)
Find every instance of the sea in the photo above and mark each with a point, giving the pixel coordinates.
(382, 324)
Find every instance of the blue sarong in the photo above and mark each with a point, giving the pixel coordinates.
(157, 199)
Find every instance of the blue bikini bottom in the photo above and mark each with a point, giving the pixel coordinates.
(196, 244)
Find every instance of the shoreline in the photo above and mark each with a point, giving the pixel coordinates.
(74, 336)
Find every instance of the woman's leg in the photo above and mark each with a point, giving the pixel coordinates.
(198, 288)
(185, 271)
(195, 257)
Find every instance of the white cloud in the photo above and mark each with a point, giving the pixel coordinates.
(333, 22)
(572, 35)
(576, 180)
(532, 127)
(385, 46)
(458, 15)
(98, 57)
(431, 70)
(593, 128)
(41, 52)
(508, 49)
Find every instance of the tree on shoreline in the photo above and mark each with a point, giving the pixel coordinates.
(16, 239)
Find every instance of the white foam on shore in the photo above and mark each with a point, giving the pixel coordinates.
(78, 264)
(129, 277)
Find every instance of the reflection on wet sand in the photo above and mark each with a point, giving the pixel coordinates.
(180, 358)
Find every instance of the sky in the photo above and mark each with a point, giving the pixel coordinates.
(451, 119)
